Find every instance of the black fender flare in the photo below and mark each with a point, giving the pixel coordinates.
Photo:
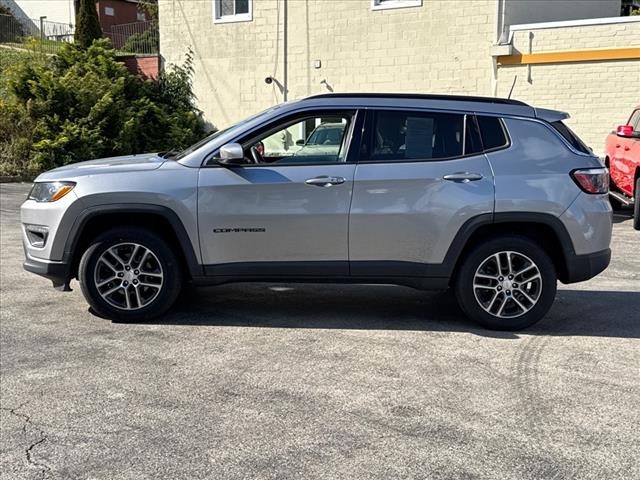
(460, 241)
(75, 233)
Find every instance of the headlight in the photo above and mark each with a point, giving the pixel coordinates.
(50, 191)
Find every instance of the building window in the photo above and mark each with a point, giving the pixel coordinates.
(387, 4)
(225, 11)
(109, 11)
(141, 17)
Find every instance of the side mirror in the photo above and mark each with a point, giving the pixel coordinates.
(625, 131)
(231, 154)
(300, 142)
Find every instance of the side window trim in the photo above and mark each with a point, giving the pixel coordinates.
(464, 134)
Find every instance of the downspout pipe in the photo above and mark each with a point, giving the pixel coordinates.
(285, 49)
(500, 18)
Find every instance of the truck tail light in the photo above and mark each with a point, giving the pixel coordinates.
(624, 130)
(592, 180)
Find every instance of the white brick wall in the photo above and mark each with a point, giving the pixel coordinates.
(598, 95)
(432, 48)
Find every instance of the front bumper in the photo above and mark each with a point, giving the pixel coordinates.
(58, 272)
(584, 267)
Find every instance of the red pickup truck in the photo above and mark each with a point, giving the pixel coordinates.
(623, 160)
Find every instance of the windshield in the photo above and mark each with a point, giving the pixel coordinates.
(199, 144)
(217, 134)
(326, 136)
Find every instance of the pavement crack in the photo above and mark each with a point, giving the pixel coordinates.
(29, 453)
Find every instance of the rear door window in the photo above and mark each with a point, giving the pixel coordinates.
(415, 136)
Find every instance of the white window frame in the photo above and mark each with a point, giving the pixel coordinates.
(389, 4)
(141, 16)
(240, 17)
(108, 9)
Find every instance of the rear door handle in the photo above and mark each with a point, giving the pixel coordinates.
(325, 181)
(463, 177)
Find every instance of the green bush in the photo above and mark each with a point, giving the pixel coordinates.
(10, 58)
(16, 139)
(83, 104)
(145, 42)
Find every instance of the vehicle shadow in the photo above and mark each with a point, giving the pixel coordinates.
(622, 215)
(387, 307)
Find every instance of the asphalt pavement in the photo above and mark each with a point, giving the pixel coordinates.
(257, 381)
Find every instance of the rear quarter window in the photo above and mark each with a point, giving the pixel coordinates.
(570, 137)
(492, 133)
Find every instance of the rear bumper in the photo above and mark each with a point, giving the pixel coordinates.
(57, 272)
(584, 267)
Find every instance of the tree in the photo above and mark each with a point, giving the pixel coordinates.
(88, 26)
(84, 104)
(149, 8)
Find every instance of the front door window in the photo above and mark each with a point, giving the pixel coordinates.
(315, 139)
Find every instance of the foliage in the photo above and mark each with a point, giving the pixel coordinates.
(144, 42)
(150, 9)
(83, 104)
(87, 24)
(10, 57)
(16, 129)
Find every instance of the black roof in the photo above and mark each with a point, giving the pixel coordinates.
(422, 96)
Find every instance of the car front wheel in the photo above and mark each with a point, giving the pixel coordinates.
(129, 274)
(508, 283)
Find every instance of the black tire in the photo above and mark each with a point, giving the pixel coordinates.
(160, 299)
(636, 205)
(479, 256)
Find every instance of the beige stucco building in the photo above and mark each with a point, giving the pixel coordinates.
(431, 46)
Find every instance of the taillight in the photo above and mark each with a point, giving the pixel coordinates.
(592, 180)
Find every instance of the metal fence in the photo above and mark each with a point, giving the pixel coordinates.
(139, 38)
(135, 38)
(37, 35)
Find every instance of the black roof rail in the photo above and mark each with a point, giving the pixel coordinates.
(422, 96)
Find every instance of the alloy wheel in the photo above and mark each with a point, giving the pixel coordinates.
(507, 284)
(128, 276)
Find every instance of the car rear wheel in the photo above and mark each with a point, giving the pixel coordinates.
(508, 283)
(636, 205)
(129, 275)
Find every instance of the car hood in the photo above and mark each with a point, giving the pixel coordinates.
(127, 163)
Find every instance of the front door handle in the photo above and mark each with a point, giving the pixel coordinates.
(463, 177)
(325, 181)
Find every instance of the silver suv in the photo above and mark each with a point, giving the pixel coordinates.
(491, 197)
